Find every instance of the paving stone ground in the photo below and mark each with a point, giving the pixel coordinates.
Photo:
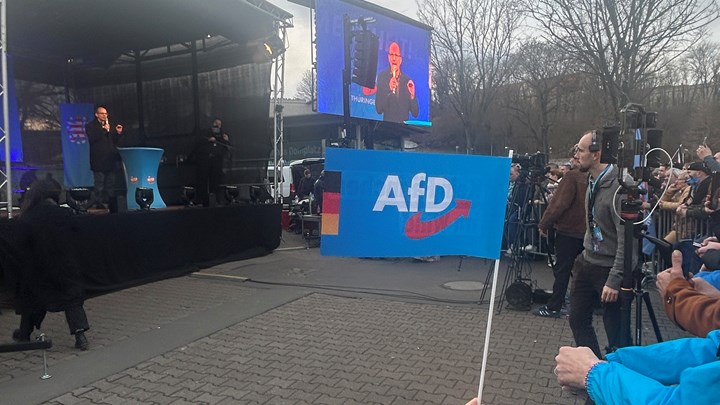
(312, 330)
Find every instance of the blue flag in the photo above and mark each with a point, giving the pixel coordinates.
(75, 145)
(400, 204)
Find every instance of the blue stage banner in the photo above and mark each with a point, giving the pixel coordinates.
(402, 204)
(75, 145)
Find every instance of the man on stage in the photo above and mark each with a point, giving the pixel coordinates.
(104, 155)
(211, 151)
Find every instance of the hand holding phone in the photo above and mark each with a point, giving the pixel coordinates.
(697, 244)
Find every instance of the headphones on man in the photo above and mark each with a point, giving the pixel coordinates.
(594, 144)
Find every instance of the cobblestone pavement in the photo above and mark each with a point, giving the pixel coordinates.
(313, 330)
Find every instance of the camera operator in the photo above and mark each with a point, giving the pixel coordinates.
(598, 270)
(513, 205)
(526, 175)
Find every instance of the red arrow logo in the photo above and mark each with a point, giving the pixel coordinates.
(415, 228)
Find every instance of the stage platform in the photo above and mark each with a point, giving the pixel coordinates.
(132, 248)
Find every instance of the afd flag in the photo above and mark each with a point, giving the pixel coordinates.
(16, 150)
(76, 149)
(399, 204)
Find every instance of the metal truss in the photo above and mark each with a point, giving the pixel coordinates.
(278, 95)
(5, 178)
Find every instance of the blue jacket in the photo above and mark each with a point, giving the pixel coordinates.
(682, 371)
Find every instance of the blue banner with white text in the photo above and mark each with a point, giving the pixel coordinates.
(75, 145)
(400, 204)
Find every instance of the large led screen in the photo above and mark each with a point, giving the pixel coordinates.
(402, 88)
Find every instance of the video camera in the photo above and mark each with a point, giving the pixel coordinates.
(627, 145)
(531, 166)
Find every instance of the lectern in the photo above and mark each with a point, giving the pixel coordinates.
(141, 167)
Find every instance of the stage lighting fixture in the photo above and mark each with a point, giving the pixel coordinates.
(79, 199)
(231, 194)
(274, 46)
(144, 197)
(188, 196)
(266, 49)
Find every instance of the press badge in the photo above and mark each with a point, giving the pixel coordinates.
(596, 237)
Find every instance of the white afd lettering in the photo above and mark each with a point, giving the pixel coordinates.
(391, 194)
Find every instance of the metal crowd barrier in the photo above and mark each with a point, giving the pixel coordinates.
(665, 222)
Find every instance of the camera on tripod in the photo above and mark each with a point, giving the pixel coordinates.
(531, 166)
(627, 145)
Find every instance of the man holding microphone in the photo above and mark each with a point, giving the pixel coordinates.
(103, 138)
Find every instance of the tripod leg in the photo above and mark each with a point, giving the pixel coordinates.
(488, 281)
(651, 314)
(512, 268)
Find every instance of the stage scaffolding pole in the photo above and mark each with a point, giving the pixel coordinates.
(5, 130)
(278, 97)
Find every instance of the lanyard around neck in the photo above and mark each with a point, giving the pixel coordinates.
(592, 193)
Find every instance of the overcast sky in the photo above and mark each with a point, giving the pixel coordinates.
(297, 58)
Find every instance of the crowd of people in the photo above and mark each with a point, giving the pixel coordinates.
(582, 213)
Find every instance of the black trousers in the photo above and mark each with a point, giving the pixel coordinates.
(588, 283)
(104, 186)
(567, 249)
(209, 176)
(74, 315)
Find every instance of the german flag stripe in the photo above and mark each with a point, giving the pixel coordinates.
(331, 203)
(332, 181)
(330, 224)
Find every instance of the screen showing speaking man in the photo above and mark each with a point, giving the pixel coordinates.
(402, 89)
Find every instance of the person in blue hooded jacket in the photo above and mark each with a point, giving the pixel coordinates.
(682, 371)
(679, 371)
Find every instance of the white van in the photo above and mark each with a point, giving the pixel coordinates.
(291, 174)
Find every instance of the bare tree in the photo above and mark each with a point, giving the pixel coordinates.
(472, 41)
(703, 65)
(305, 90)
(624, 42)
(542, 70)
(38, 105)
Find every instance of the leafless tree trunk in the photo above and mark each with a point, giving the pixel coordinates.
(623, 42)
(472, 41)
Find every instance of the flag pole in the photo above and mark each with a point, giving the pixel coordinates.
(491, 310)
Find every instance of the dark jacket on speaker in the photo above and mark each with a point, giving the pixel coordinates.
(103, 147)
(397, 106)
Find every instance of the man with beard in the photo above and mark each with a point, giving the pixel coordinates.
(598, 271)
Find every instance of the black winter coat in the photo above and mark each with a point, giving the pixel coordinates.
(48, 277)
